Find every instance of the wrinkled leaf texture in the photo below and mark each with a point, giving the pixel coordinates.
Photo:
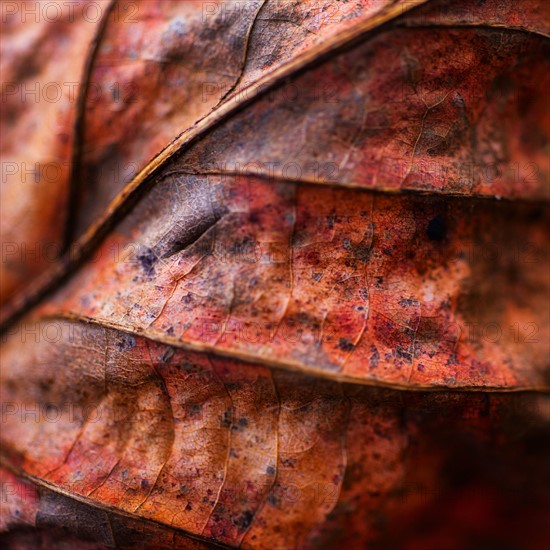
(273, 223)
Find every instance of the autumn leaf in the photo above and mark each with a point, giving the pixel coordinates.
(298, 296)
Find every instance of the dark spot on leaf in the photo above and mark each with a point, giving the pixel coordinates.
(437, 228)
(374, 358)
(244, 520)
(403, 354)
(125, 342)
(452, 360)
(407, 302)
(345, 345)
(147, 261)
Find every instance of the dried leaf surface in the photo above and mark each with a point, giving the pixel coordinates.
(357, 207)
(254, 457)
(174, 61)
(407, 291)
(40, 91)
